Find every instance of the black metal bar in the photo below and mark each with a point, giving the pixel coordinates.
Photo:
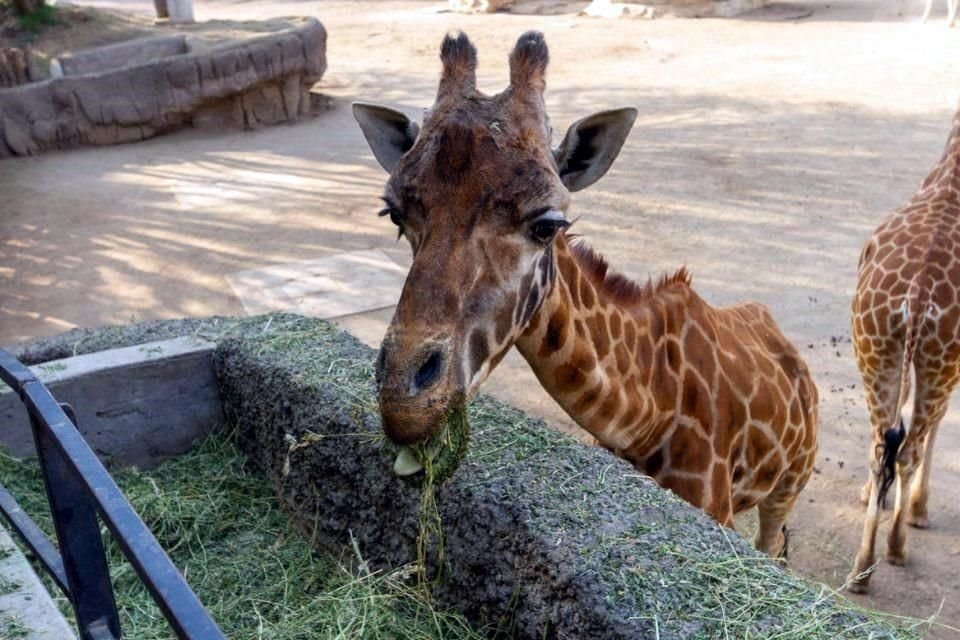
(78, 531)
(64, 444)
(35, 539)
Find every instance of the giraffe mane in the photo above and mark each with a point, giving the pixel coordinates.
(619, 287)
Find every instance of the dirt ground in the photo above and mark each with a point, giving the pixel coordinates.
(767, 148)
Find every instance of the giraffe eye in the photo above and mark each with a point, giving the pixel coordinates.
(546, 227)
(395, 216)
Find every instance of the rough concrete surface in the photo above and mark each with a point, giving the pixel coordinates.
(77, 342)
(261, 80)
(122, 54)
(545, 537)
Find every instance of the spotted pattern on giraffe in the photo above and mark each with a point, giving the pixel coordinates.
(714, 403)
(905, 320)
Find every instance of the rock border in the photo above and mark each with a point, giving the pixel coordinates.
(264, 79)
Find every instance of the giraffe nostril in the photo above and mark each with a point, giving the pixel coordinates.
(428, 372)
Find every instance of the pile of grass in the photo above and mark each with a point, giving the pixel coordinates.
(258, 577)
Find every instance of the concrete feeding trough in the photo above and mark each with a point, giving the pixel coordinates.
(559, 539)
(142, 88)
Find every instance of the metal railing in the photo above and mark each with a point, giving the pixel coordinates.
(79, 489)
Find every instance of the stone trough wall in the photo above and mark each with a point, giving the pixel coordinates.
(545, 537)
(106, 96)
(615, 8)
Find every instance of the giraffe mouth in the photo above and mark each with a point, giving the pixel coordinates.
(408, 460)
(435, 460)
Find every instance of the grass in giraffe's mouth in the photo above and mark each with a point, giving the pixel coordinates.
(440, 456)
(428, 465)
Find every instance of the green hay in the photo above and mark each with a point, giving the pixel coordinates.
(452, 444)
(225, 530)
(450, 447)
(737, 596)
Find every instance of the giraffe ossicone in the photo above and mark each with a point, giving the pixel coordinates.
(715, 404)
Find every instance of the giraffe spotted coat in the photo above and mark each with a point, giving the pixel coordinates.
(713, 403)
(906, 319)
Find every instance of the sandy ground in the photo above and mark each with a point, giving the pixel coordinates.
(767, 149)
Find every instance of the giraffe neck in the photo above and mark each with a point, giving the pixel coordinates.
(944, 173)
(597, 348)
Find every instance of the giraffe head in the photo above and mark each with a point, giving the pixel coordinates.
(481, 197)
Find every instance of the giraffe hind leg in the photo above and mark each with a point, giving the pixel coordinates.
(929, 407)
(920, 489)
(785, 551)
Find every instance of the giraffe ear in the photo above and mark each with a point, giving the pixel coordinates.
(591, 145)
(389, 132)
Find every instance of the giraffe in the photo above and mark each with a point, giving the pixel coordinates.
(714, 404)
(951, 11)
(905, 317)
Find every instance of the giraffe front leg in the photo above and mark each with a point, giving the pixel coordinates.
(859, 579)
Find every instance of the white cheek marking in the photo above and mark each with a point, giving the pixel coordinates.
(494, 347)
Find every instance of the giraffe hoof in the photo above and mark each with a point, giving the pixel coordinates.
(897, 558)
(855, 586)
(918, 520)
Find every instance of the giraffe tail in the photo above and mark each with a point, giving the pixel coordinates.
(914, 310)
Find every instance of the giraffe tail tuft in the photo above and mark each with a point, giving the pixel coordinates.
(914, 309)
(892, 439)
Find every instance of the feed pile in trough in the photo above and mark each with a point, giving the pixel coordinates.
(258, 576)
(544, 537)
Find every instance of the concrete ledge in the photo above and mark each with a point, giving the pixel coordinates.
(136, 405)
(123, 54)
(78, 342)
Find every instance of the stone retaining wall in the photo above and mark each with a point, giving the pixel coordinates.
(260, 80)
